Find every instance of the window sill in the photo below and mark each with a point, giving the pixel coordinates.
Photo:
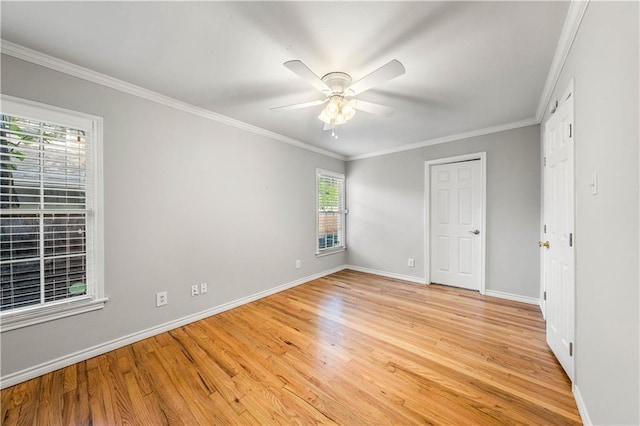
(330, 251)
(49, 313)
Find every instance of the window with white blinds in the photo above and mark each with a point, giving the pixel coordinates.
(330, 220)
(47, 210)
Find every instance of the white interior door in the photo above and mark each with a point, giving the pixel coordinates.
(558, 245)
(456, 219)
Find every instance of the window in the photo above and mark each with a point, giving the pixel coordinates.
(50, 246)
(330, 219)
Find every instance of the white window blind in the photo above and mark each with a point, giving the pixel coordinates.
(330, 212)
(47, 201)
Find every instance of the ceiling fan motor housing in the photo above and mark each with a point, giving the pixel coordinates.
(338, 86)
(337, 81)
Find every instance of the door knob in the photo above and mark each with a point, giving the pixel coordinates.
(476, 232)
(545, 244)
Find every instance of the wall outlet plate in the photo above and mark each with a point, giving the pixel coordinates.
(161, 299)
(298, 264)
(411, 263)
(194, 290)
(204, 287)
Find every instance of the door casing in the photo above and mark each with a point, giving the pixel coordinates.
(482, 156)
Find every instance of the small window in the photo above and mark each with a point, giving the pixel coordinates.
(330, 220)
(50, 252)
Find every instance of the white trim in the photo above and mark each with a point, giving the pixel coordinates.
(44, 112)
(40, 314)
(38, 58)
(541, 284)
(482, 156)
(35, 57)
(328, 252)
(514, 297)
(582, 407)
(343, 223)
(572, 22)
(95, 298)
(330, 173)
(409, 278)
(98, 213)
(450, 138)
(82, 355)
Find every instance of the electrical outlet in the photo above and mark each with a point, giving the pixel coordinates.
(411, 263)
(161, 299)
(194, 290)
(204, 288)
(298, 264)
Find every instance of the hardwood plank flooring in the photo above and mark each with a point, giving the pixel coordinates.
(349, 348)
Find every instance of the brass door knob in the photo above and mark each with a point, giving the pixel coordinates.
(545, 244)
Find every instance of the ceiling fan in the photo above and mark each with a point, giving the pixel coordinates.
(338, 89)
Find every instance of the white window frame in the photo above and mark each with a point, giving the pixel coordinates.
(95, 298)
(342, 247)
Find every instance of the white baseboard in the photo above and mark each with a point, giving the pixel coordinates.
(582, 408)
(66, 360)
(409, 278)
(514, 297)
(493, 293)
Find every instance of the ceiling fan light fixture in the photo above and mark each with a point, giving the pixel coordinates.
(337, 111)
(333, 107)
(336, 85)
(347, 110)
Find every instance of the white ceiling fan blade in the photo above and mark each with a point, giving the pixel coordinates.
(391, 69)
(307, 75)
(371, 108)
(299, 106)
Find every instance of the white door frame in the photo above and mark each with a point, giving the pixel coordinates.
(482, 156)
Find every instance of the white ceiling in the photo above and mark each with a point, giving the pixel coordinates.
(470, 65)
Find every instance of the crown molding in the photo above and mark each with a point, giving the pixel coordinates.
(38, 58)
(572, 22)
(574, 17)
(450, 138)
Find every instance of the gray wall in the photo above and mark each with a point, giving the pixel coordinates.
(186, 200)
(386, 198)
(603, 62)
(189, 200)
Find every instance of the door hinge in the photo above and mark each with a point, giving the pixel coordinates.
(570, 130)
(544, 295)
(571, 349)
(545, 161)
(545, 229)
(571, 239)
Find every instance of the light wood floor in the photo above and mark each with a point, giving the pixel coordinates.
(349, 348)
